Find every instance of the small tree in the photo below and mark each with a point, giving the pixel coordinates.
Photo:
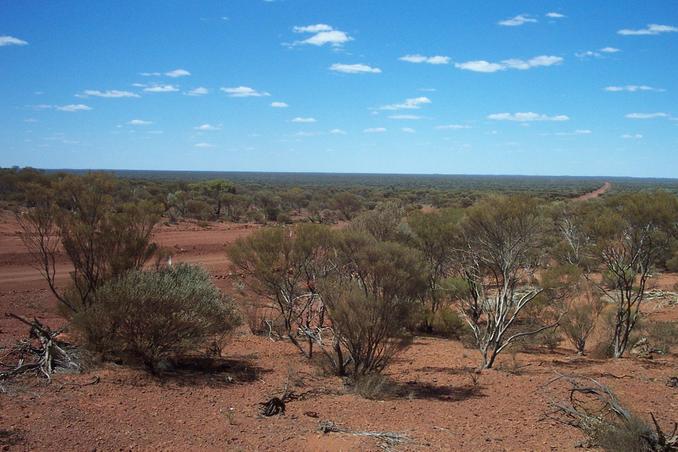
(214, 190)
(370, 301)
(382, 222)
(433, 235)
(583, 312)
(623, 236)
(347, 204)
(497, 256)
(283, 264)
(102, 237)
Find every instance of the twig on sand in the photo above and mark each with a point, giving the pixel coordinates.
(387, 440)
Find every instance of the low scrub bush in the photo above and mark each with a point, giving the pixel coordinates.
(155, 316)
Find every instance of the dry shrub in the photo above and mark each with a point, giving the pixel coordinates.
(155, 316)
(371, 328)
(448, 323)
(581, 319)
(662, 335)
(373, 386)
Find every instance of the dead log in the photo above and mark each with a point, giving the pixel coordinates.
(41, 352)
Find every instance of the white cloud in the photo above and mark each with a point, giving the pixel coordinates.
(178, 73)
(317, 28)
(453, 127)
(72, 107)
(279, 105)
(322, 34)
(405, 117)
(630, 136)
(244, 91)
(651, 29)
(375, 130)
(354, 68)
(647, 115)
(304, 120)
(408, 130)
(203, 145)
(139, 122)
(206, 127)
(199, 91)
(554, 15)
(338, 132)
(526, 117)
(576, 132)
(113, 93)
(520, 19)
(409, 104)
(631, 88)
(304, 133)
(11, 41)
(161, 89)
(512, 63)
(596, 53)
(416, 58)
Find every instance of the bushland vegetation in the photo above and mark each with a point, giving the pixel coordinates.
(492, 269)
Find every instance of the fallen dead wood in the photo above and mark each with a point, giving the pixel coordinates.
(593, 408)
(386, 439)
(41, 352)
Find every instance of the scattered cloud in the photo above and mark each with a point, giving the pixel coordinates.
(354, 68)
(203, 145)
(405, 117)
(304, 120)
(408, 130)
(113, 93)
(317, 28)
(632, 88)
(526, 117)
(512, 63)
(554, 15)
(279, 105)
(576, 132)
(631, 136)
(206, 127)
(453, 127)
(409, 104)
(244, 91)
(651, 29)
(199, 91)
(161, 89)
(178, 73)
(647, 115)
(72, 107)
(174, 73)
(520, 19)
(416, 58)
(375, 130)
(322, 34)
(139, 122)
(338, 132)
(11, 41)
(596, 53)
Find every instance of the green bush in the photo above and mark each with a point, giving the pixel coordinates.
(448, 323)
(154, 316)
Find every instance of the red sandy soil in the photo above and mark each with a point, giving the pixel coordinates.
(218, 410)
(595, 193)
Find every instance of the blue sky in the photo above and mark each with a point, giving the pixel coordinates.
(491, 87)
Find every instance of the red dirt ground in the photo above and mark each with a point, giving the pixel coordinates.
(130, 410)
